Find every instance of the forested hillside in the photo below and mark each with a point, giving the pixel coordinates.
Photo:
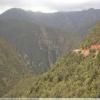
(42, 44)
(93, 37)
(72, 76)
(42, 38)
(45, 37)
(12, 67)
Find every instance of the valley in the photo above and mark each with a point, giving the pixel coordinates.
(50, 54)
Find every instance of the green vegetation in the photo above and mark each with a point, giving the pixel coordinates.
(45, 37)
(72, 76)
(41, 44)
(93, 37)
(12, 67)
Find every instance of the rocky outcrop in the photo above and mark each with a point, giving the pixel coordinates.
(87, 51)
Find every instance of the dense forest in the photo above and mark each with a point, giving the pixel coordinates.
(45, 37)
(50, 55)
(71, 76)
(12, 67)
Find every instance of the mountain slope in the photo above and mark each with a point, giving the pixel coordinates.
(37, 42)
(45, 37)
(93, 37)
(72, 76)
(12, 67)
(74, 21)
(42, 44)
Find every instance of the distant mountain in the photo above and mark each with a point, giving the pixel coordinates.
(45, 37)
(40, 43)
(74, 21)
(12, 67)
(72, 76)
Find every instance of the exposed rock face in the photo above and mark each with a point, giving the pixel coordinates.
(85, 52)
(95, 47)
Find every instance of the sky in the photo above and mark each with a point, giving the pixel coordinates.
(48, 6)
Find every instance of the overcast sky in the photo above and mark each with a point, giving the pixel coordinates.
(49, 5)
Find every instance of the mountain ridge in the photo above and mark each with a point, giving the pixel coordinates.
(64, 31)
(74, 16)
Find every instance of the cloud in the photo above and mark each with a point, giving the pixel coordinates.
(49, 5)
(73, 4)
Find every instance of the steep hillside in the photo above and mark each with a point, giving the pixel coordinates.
(93, 37)
(45, 37)
(72, 76)
(12, 67)
(42, 44)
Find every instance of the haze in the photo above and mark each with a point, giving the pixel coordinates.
(48, 6)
